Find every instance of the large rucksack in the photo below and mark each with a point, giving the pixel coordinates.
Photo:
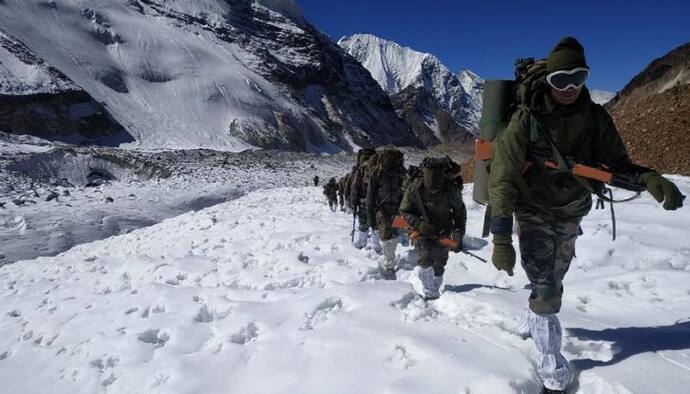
(500, 100)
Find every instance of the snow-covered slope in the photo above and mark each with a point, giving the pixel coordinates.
(23, 74)
(210, 73)
(601, 96)
(265, 295)
(38, 99)
(397, 68)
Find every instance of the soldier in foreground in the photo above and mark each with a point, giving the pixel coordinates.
(384, 194)
(549, 202)
(433, 205)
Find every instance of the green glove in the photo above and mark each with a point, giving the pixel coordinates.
(662, 190)
(426, 228)
(503, 255)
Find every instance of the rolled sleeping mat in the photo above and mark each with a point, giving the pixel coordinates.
(497, 105)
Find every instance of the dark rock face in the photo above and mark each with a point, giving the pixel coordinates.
(56, 108)
(65, 116)
(420, 110)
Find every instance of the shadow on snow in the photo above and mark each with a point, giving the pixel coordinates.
(631, 341)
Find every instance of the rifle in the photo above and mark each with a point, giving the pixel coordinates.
(544, 157)
(400, 223)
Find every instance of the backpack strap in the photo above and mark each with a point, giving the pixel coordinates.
(563, 164)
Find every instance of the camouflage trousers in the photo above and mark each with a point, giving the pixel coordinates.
(431, 254)
(547, 246)
(362, 217)
(384, 223)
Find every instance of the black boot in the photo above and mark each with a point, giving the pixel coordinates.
(549, 391)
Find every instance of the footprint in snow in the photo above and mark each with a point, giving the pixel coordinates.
(401, 358)
(246, 334)
(155, 337)
(322, 313)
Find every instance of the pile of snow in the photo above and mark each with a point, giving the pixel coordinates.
(264, 294)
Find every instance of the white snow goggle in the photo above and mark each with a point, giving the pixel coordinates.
(567, 79)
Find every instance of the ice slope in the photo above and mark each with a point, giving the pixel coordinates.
(210, 73)
(21, 76)
(396, 67)
(265, 295)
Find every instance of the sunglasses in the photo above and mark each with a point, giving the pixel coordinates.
(567, 79)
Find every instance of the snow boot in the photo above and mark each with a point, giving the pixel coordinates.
(376, 242)
(552, 368)
(523, 327)
(424, 283)
(438, 282)
(360, 239)
(549, 391)
(389, 247)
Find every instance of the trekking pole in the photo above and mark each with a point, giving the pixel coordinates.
(473, 255)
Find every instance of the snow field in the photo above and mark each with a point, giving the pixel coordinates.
(264, 294)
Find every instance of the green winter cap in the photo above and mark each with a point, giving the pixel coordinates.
(566, 55)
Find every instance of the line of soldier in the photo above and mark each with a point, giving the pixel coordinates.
(428, 199)
(556, 113)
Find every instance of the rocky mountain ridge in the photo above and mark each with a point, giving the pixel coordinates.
(652, 113)
(439, 105)
(220, 74)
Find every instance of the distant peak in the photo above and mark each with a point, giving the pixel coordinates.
(288, 8)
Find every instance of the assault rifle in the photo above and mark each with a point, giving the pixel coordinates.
(604, 174)
(400, 223)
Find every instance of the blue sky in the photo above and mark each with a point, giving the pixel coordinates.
(620, 37)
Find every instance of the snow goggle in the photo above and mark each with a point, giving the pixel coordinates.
(567, 79)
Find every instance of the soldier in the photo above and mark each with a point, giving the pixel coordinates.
(384, 194)
(433, 205)
(330, 190)
(550, 203)
(358, 198)
(347, 186)
(316, 180)
(341, 192)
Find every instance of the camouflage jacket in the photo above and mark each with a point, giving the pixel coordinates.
(584, 132)
(444, 210)
(384, 193)
(358, 187)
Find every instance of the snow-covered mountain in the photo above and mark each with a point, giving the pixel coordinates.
(415, 78)
(601, 96)
(37, 99)
(210, 73)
